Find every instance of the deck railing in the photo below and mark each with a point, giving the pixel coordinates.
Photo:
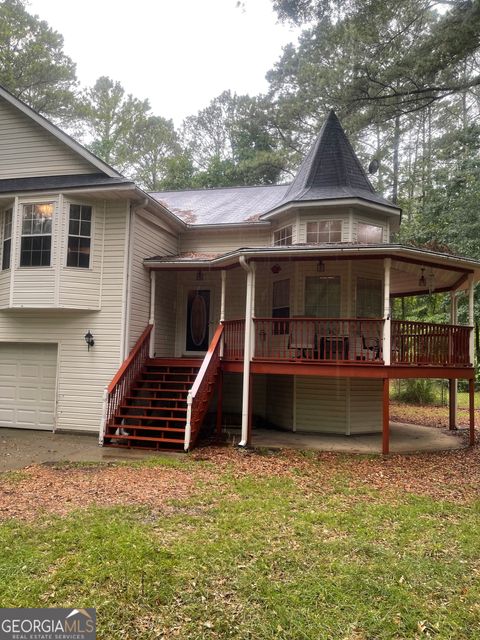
(424, 343)
(124, 378)
(319, 339)
(347, 340)
(202, 389)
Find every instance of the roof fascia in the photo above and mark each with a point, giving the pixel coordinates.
(378, 252)
(348, 202)
(59, 134)
(226, 225)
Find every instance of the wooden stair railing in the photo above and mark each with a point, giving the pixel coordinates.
(124, 378)
(201, 392)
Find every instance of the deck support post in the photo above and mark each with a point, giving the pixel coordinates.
(453, 383)
(386, 417)
(153, 283)
(471, 407)
(218, 424)
(247, 349)
(387, 321)
(471, 318)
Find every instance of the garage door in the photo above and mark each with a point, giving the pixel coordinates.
(27, 385)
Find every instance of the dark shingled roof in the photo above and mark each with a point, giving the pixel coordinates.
(330, 171)
(44, 183)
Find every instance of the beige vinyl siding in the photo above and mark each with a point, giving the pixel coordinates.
(4, 288)
(150, 238)
(321, 404)
(28, 150)
(165, 314)
(279, 401)
(79, 288)
(366, 398)
(223, 240)
(315, 216)
(236, 288)
(82, 374)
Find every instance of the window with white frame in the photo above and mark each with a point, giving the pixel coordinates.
(324, 231)
(36, 243)
(283, 237)
(369, 233)
(322, 296)
(79, 236)
(369, 298)
(280, 305)
(7, 239)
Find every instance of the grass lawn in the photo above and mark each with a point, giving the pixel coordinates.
(251, 546)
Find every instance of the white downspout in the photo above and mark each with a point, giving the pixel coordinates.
(247, 349)
(151, 320)
(387, 321)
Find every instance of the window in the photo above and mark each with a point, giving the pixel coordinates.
(283, 236)
(369, 233)
(7, 239)
(36, 245)
(281, 305)
(324, 231)
(322, 296)
(369, 298)
(79, 236)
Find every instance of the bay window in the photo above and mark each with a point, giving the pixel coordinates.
(7, 239)
(79, 236)
(36, 242)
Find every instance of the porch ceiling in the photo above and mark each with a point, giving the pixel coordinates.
(442, 272)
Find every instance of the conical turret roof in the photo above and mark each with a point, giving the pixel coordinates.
(331, 170)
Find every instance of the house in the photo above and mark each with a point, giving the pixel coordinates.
(132, 315)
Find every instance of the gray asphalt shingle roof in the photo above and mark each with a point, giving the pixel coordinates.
(222, 206)
(330, 171)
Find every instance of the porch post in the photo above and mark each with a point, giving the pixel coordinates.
(247, 348)
(471, 406)
(151, 320)
(223, 275)
(452, 384)
(387, 323)
(471, 319)
(386, 417)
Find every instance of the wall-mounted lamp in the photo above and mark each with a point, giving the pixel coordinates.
(89, 339)
(276, 268)
(199, 276)
(320, 266)
(422, 281)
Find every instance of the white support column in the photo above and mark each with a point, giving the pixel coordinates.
(247, 349)
(387, 321)
(471, 318)
(223, 275)
(151, 320)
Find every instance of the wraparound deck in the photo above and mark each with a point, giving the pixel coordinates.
(347, 343)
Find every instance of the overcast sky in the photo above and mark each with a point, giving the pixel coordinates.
(177, 53)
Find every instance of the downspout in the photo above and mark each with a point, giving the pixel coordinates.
(247, 349)
(129, 257)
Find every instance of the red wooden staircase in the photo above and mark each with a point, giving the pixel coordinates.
(153, 414)
(159, 403)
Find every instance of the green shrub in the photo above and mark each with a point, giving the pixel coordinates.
(418, 391)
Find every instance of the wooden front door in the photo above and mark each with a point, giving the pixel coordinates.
(198, 320)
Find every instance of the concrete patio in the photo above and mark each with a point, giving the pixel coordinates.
(20, 447)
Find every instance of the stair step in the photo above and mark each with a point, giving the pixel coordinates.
(147, 439)
(150, 408)
(139, 417)
(159, 390)
(170, 373)
(110, 431)
(183, 383)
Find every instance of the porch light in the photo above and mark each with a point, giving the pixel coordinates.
(89, 339)
(276, 268)
(431, 281)
(422, 281)
(199, 276)
(320, 266)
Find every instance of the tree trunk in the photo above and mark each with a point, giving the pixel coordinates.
(396, 149)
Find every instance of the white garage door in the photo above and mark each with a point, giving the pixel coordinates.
(27, 385)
